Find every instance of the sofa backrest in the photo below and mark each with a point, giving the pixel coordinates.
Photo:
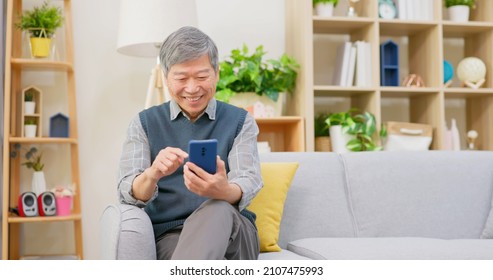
(440, 194)
(316, 204)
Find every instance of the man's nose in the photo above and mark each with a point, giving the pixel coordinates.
(191, 86)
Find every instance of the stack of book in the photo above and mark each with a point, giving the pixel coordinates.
(415, 9)
(353, 65)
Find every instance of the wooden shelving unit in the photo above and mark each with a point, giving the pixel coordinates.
(426, 46)
(16, 66)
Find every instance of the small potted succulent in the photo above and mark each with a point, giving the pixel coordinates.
(41, 23)
(459, 10)
(324, 8)
(30, 127)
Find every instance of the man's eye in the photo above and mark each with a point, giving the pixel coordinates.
(203, 78)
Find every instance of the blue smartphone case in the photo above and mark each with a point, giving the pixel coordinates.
(203, 153)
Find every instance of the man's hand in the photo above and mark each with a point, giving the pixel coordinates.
(215, 186)
(166, 162)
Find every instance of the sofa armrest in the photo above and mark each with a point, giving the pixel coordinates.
(126, 233)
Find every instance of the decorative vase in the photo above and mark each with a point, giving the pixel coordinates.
(338, 139)
(260, 106)
(322, 144)
(29, 107)
(459, 13)
(38, 183)
(324, 9)
(40, 47)
(30, 130)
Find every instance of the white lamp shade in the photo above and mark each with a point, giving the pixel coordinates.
(144, 24)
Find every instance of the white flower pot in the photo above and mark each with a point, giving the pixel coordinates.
(324, 9)
(30, 130)
(259, 106)
(459, 13)
(38, 183)
(29, 107)
(339, 140)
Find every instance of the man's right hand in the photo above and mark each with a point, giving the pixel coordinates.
(166, 163)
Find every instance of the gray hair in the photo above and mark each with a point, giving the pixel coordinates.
(187, 43)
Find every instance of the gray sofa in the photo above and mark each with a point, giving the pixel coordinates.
(369, 205)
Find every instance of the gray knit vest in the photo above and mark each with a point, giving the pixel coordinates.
(175, 202)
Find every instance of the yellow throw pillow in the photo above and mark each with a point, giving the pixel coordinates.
(268, 205)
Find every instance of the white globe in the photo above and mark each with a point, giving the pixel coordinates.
(471, 69)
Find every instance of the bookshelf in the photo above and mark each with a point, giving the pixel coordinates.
(423, 45)
(56, 80)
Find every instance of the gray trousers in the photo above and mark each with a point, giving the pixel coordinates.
(215, 231)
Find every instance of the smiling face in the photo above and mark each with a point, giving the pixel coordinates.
(192, 84)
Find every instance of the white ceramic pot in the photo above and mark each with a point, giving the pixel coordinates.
(324, 9)
(29, 107)
(30, 130)
(459, 13)
(259, 106)
(38, 183)
(339, 140)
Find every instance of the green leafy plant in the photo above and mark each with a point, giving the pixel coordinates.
(41, 18)
(470, 3)
(361, 125)
(33, 159)
(29, 122)
(321, 127)
(315, 2)
(243, 72)
(29, 96)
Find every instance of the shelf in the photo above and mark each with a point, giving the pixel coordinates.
(339, 25)
(468, 92)
(463, 30)
(404, 28)
(14, 219)
(40, 65)
(423, 45)
(43, 140)
(284, 134)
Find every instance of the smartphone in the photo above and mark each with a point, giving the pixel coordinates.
(203, 153)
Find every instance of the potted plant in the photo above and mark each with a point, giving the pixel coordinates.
(30, 128)
(459, 10)
(251, 76)
(322, 135)
(352, 131)
(324, 8)
(29, 104)
(41, 23)
(33, 161)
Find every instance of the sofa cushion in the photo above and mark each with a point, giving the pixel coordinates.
(316, 204)
(388, 248)
(268, 205)
(436, 194)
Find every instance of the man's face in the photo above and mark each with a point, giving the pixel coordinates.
(192, 84)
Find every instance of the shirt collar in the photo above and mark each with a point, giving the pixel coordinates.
(210, 110)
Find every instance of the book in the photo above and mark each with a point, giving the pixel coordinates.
(351, 66)
(363, 64)
(342, 64)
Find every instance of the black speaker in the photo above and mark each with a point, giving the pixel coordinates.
(28, 205)
(46, 204)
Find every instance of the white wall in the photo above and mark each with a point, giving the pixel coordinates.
(111, 87)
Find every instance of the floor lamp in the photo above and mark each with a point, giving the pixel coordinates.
(144, 25)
